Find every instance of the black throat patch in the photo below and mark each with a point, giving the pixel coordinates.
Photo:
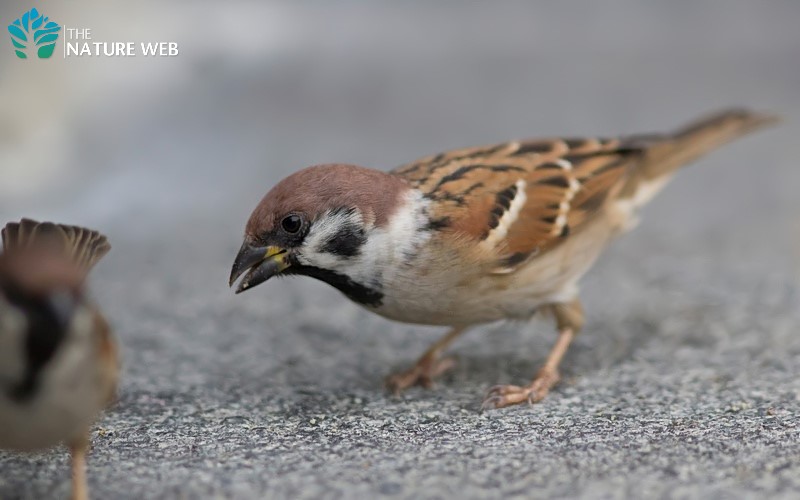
(354, 291)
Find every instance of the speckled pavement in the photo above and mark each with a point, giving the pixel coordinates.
(684, 383)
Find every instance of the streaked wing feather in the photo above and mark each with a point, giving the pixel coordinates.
(522, 198)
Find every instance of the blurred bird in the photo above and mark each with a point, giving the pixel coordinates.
(473, 235)
(58, 362)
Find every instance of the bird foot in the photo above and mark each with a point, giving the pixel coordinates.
(423, 373)
(501, 396)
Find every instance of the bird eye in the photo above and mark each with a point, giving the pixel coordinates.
(292, 223)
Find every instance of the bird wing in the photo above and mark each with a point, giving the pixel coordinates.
(521, 199)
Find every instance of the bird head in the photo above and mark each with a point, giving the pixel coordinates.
(44, 283)
(318, 222)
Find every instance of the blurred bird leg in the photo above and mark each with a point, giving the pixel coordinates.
(78, 449)
(428, 367)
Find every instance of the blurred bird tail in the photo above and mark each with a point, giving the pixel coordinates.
(82, 246)
(664, 154)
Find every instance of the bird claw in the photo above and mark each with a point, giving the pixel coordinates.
(502, 390)
(500, 396)
(490, 403)
(422, 374)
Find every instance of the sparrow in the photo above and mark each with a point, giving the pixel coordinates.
(58, 361)
(474, 235)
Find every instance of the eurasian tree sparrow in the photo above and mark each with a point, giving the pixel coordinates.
(473, 235)
(58, 361)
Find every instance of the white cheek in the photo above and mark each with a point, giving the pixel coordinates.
(78, 343)
(311, 252)
(388, 248)
(83, 322)
(383, 252)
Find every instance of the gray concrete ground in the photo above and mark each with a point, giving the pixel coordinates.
(684, 384)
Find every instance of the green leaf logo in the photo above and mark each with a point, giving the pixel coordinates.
(36, 28)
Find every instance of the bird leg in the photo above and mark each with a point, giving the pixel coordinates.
(428, 367)
(501, 396)
(569, 318)
(78, 450)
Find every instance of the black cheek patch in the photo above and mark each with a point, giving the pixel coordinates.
(347, 242)
(43, 338)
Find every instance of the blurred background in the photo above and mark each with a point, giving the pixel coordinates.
(261, 89)
(169, 155)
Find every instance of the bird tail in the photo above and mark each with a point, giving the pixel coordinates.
(82, 246)
(663, 155)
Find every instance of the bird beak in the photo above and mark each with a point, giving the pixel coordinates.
(260, 264)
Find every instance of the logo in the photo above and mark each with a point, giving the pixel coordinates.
(34, 29)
